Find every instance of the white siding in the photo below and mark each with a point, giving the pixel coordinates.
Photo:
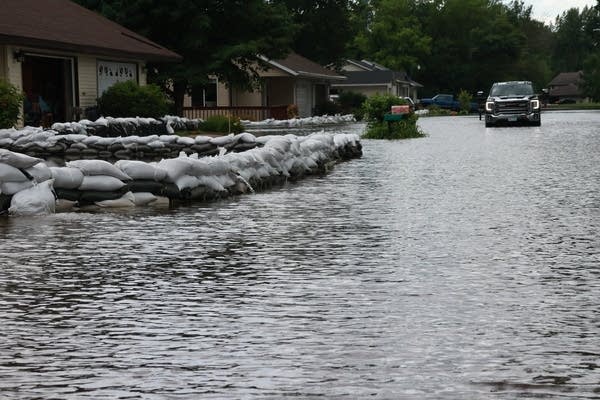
(88, 82)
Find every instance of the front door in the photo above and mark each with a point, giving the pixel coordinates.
(48, 83)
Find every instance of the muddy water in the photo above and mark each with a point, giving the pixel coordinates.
(465, 265)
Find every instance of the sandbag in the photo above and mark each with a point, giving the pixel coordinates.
(127, 200)
(67, 194)
(175, 167)
(144, 198)
(88, 197)
(10, 188)
(8, 173)
(99, 167)
(66, 177)
(141, 170)
(4, 203)
(187, 182)
(17, 160)
(40, 172)
(64, 205)
(39, 199)
(101, 183)
(146, 186)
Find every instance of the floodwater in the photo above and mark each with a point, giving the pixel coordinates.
(464, 265)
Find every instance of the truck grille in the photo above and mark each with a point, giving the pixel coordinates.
(511, 107)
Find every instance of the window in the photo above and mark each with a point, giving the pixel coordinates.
(205, 95)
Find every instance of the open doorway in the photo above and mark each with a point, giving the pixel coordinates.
(49, 89)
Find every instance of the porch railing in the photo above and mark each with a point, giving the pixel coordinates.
(250, 113)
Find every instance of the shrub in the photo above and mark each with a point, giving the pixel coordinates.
(128, 99)
(327, 107)
(292, 111)
(10, 104)
(352, 103)
(464, 98)
(375, 108)
(222, 124)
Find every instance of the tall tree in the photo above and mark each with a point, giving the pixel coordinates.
(393, 36)
(323, 27)
(220, 37)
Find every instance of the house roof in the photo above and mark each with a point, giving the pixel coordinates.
(296, 65)
(566, 78)
(367, 65)
(66, 26)
(378, 77)
(571, 90)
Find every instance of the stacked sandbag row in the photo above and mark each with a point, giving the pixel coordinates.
(25, 184)
(300, 122)
(115, 127)
(45, 144)
(191, 177)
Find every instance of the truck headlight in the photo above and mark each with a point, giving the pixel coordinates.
(535, 104)
(489, 106)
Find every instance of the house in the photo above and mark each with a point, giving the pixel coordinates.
(370, 78)
(63, 56)
(294, 80)
(565, 87)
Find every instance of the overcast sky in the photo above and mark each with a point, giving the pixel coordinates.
(547, 10)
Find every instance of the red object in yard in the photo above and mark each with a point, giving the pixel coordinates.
(404, 109)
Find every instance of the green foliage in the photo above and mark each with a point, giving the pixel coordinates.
(327, 108)
(404, 129)
(352, 103)
(437, 111)
(10, 105)
(220, 37)
(375, 108)
(128, 99)
(222, 124)
(591, 77)
(464, 98)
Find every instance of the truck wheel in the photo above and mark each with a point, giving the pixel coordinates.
(489, 124)
(536, 123)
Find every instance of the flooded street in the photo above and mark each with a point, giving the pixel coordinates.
(464, 265)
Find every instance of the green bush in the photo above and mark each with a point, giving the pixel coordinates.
(375, 108)
(10, 104)
(464, 98)
(327, 108)
(222, 124)
(352, 103)
(128, 99)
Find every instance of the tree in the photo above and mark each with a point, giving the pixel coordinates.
(591, 77)
(323, 27)
(220, 37)
(393, 36)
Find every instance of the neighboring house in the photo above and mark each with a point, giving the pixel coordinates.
(565, 87)
(63, 56)
(294, 80)
(370, 78)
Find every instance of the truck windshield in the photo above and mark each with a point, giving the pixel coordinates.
(512, 89)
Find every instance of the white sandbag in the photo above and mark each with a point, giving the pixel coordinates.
(187, 182)
(8, 173)
(17, 160)
(199, 167)
(187, 141)
(127, 200)
(64, 205)
(101, 183)
(144, 198)
(10, 188)
(202, 139)
(212, 183)
(221, 141)
(40, 172)
(245, 137)
(99, 167)
(141, 170)
(38, 199)
(66, 177)
(175, 167)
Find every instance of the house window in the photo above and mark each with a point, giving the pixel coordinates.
(110, 72)
(205, 95)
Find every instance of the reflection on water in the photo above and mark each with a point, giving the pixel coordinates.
(461, 265)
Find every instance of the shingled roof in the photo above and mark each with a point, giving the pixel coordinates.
(66, 26)
(296, 65)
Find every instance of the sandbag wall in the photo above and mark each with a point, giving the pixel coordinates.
(28, 184)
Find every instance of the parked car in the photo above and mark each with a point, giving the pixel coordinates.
(445, 101)
(512, 102)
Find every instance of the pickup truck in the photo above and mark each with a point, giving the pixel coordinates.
(513, 101)
(445, 101)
